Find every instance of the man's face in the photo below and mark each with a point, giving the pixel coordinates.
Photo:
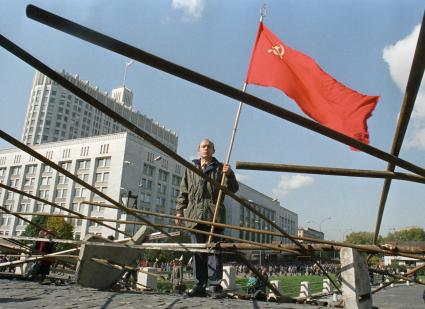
(206, 150)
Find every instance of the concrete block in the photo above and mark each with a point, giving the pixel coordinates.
(92, 274)
(147, 278)
(278, 286)
(305, 289)
(356, 291)
(229, 278)
(327, 286)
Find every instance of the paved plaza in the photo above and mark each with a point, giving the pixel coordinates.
(24, 294)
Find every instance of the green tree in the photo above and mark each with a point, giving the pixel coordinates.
(59, 227)
(361, 238)
(32, 230)
(62, 229)
(412, 234)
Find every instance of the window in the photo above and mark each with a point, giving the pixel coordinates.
(83, 164)
(40, 207)
(45, 181)
(31, 169)
(160, 201)
(176, 192)
(65, 165)
(15, 170)
(176, 180)
(162, 188)
(9, 195)
(43, 194)
(2, 171)
(14, 182)
(104, 162)
(46, 169)
(61, 193)
(163, 175)
(146, 184)
(83, 177)
(148, 170)
(145, 197)
(62, 180)
(81, 192)
(102, 177)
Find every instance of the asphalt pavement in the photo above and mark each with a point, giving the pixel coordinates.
(16, 293)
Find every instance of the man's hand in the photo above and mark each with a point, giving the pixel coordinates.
(226, 169)
(177, 220)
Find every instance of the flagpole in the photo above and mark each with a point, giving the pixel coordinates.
(232, 141)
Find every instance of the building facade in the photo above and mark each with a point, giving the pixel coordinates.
(117, 164)
(271, 208)
(55, 114)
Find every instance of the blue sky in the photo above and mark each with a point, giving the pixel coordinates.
(367, 45)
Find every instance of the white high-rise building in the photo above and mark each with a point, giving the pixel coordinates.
(55, 114)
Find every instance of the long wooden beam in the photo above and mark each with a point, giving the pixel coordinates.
(412, 88)
(139, 55)
(322, 170)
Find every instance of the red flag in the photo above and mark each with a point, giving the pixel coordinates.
(318, 94)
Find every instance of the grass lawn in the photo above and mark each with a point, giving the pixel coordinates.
(291, 284)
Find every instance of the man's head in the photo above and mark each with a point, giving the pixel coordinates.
(206, 149)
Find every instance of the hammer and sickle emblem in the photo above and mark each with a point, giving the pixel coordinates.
(278, 50)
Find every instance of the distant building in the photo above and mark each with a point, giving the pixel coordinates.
(271, 208)
(56, 114)
(310, 233)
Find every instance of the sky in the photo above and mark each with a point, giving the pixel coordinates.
(366, 45)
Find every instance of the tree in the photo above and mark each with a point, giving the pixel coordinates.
(62, 229)
(412, 234)
(361, 238)
(32, 230)
(58, 226)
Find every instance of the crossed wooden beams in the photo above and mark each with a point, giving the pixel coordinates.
(131, 52)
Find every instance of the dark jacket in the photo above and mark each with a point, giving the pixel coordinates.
(197, 198)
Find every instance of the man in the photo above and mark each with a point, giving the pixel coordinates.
(197, 200)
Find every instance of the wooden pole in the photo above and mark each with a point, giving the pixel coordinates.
(318, 170)
(412, 88)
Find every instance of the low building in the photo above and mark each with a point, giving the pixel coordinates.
(310, 233)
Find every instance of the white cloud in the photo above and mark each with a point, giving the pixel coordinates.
(242, 178)
(399, 58)
(289, 183)
(190, 8)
